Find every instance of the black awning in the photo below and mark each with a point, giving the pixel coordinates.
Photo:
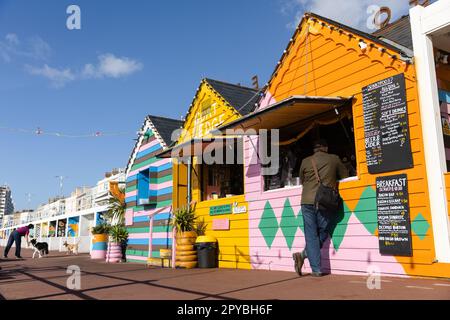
(285, 113)
(194, 147)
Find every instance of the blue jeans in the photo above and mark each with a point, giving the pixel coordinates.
(316, 232)
(14, 237)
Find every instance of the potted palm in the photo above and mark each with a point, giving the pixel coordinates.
(118, 235)
(183, 219)
(115, 214)
(99, 241)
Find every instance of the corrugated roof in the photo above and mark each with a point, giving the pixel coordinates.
(398, 31)
(243, 99)
(165, 127)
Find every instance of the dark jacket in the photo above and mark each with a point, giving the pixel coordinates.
(331, 169)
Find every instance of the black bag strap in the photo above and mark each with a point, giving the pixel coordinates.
(316, 173)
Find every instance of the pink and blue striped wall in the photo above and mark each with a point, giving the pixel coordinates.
(148, 225)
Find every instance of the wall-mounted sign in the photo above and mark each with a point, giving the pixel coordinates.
(386, 130)
(218, 210)
(221, 224)
(239, 209)
(394, 227)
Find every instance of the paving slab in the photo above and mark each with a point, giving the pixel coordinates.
(47, 279)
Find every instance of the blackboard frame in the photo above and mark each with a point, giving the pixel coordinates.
(395, 196)
(387, 96)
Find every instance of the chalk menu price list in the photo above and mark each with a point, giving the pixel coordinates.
(394, 227)
(386, 131)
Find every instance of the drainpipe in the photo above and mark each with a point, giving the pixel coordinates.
(189, 166)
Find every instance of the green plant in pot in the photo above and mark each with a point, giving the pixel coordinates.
(200, 227)
(183, 218)
(101, 229)
(116, 208)
(99, 240)
(117, 246)
(118, 233)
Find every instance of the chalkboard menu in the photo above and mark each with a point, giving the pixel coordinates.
(394, 227)
(386, 130)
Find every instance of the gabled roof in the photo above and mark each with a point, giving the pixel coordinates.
(243, 99)
(399, 31)
(362, 34)
(165, 127)
(403, 53)
(162, 128)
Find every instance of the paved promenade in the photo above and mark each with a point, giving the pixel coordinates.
(46, 278)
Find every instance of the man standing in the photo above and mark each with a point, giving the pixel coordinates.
(16, 236)
(330, 169)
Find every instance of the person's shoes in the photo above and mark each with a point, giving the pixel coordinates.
(298, 262)
(5, 256)
(316, 274)
(19, 257)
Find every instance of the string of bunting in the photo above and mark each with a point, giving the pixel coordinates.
(40, 132)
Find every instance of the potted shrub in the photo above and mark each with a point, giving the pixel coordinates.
(200, 227)
(118, 236)
(99, 241)
(183, 219)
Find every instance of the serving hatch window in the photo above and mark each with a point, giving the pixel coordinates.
(296, 143)
(223, 179)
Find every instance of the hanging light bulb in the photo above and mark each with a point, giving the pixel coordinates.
(362, 45)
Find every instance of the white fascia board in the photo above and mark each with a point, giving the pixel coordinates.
(431, 120)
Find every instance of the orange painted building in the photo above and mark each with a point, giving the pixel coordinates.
(316, 90)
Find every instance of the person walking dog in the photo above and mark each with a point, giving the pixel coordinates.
(319, 174)
(16, 236)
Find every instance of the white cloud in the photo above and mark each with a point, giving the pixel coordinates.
(34, 48)
(108, 66)
(349, 12)
(58, 77)
(111, 66)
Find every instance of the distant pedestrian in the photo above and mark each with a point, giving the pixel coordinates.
(16, 236)
(320, 168)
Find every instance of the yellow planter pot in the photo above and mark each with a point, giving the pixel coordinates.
(186, 253)
(186, 265)
(185, 241)
(187, 258)
(185, 238)
(188, 247)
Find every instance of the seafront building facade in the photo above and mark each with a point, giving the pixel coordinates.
(6, 203)
(381, 114)
(68, 218)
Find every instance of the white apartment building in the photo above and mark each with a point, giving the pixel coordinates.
(70, 218)
(6, 203)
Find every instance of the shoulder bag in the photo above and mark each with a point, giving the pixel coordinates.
(327, 198)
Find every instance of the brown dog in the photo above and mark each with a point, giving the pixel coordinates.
(71, 248)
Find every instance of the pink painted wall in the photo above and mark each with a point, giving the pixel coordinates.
(356, 253)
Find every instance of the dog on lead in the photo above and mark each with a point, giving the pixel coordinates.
(71, 248)
(41, 248)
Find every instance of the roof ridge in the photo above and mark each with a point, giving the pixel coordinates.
(231, 84)
(162, 117)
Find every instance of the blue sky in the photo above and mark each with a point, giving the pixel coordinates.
(130, 59)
